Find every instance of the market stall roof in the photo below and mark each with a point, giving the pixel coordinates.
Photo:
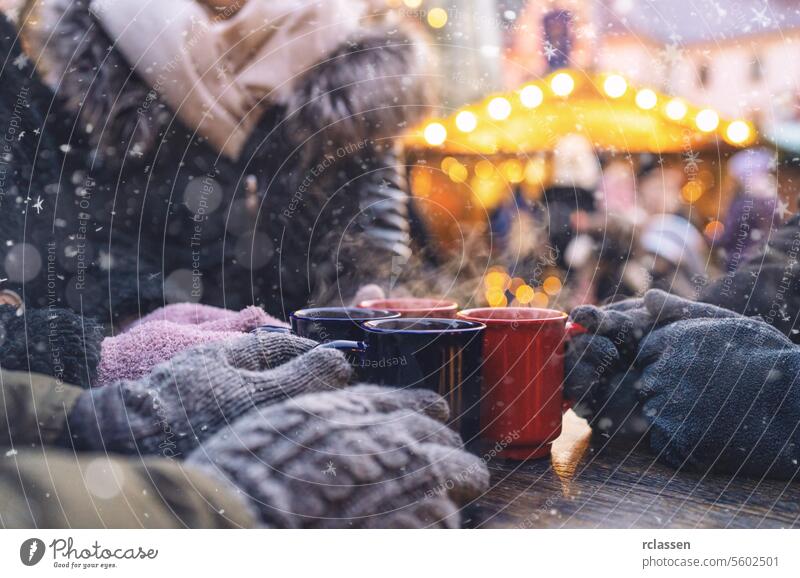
(604, 108)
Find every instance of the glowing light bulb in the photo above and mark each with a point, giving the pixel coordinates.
(714, 230)
(552, 285)
(692, 191)
(466, 121)
(435, 133)
(447, 162)
(676, 109)
(437, 18)
(525, 294)
(497, 280)
(615, 86)
(484, 169)
(646, 99)
(562, 84)
(540, 300)
(738, 132)
(707, 120)
(499, 108)
(457, 172)
(513, 171)
(531, 96)
(496, 298)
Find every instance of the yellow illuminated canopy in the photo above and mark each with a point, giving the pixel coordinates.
(605, 108)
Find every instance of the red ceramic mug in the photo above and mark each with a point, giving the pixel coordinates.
(522, 396)
(414, 306)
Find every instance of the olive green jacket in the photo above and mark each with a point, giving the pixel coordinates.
(42, 486)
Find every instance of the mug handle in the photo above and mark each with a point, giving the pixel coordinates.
(346, 346)
(572, 329)
(354, 351)
(272, 329)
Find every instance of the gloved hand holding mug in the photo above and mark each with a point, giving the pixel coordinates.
(186, 399)
(722, 395)
(363, 457)
(600, 359)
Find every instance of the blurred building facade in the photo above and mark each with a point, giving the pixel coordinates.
(741, 57)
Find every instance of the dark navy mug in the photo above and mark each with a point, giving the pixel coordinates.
(442, 355)
(326, 324)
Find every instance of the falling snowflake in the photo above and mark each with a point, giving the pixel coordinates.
(760, 17)
(13, 14)
(550, 51)
(39, 204)
(692, 159)
(21, 61)
(222, 71)
(330, 469)
(782, 208)
(671, 54)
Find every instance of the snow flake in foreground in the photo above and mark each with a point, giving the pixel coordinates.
(760, 17)
(23, 263)
(782, 208)
(550, 51)
(104, 478)
(21, 61)
(330, 470)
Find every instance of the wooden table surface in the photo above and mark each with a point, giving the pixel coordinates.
(591, 483)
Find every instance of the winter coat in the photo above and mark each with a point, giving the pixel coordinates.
(49, 253)
(313, 207)
(45, 487)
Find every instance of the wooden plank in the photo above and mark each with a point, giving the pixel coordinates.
(592, 483)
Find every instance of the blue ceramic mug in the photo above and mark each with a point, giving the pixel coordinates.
(326, 324)
(442, 355)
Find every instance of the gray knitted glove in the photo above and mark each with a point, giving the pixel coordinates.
(598, 360)
(188, 398)
(363, 457)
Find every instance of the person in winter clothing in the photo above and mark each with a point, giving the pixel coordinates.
(236, 156)
(751, 216)
(576, 176)
(702, 387)
(43, 486)
(766, 282)
(366, 456)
